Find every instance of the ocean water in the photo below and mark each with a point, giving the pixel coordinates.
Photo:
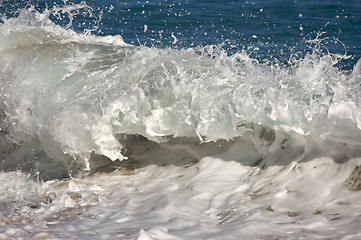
(180, 119)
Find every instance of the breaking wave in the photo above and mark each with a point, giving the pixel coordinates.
(72, 101)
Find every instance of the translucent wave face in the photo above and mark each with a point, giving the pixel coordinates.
(76, 93)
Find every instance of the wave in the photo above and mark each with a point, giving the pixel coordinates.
(82, 100)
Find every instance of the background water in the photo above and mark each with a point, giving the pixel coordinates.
(276, 28)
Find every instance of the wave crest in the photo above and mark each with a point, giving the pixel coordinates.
(74, 93)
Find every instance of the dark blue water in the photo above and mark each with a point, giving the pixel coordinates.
(269, 29)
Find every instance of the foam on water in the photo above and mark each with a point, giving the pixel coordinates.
(241, 141)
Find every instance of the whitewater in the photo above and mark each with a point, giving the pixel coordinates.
(104, 139)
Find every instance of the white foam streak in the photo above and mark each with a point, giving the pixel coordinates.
(212, 199)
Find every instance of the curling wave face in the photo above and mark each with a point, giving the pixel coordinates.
(69, 96)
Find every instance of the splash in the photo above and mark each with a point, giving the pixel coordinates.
(70, 96)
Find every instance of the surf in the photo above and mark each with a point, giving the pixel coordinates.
(75, 95)
(167, 142)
